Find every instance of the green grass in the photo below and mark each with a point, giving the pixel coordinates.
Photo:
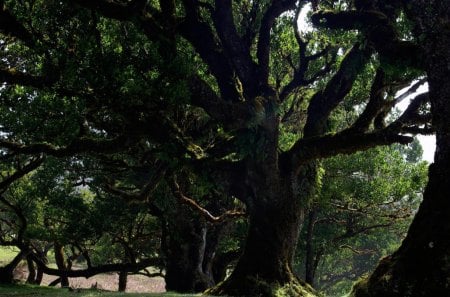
(37, 291)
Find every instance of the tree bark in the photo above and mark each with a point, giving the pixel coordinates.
(276, 203)
(276, 213)
(191, 246)
(42, 255)
(265, 266)
(421, 266)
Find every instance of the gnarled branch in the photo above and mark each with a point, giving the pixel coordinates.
(94, 270)
(275, 9)
(378, 28)
(325, 101)
(10, 26)
(176, 190)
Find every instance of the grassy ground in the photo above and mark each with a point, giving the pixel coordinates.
(107, 282)
(36, 291)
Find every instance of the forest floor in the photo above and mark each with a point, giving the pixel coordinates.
(107, 281)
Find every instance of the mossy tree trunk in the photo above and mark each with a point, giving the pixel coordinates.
(275, 203)
(266, 264)
(311, 258)
(421, 266)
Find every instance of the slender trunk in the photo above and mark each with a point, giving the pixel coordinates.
(61, 262)
(31, 279)
(310, 263)
(39, 276)
(421, 266)
(55, 282)
(123, 279)
(42, 254)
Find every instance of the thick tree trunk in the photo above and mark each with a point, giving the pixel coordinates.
(276, 203)
(276, 216)
(266, 261)
(7, 274)
(421, 266)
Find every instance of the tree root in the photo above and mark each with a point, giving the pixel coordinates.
(254, 287)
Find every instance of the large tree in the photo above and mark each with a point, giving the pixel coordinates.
(115, 76)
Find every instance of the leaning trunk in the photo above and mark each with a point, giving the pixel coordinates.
(7, 272)
(421, 266)
(39, 276)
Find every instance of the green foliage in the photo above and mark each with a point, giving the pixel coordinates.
(364, 207)
(95, 79)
